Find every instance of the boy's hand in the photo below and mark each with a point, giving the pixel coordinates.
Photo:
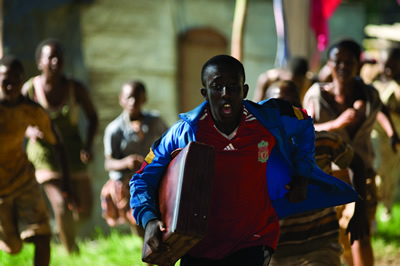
(153, 235)
(86, 155)
(297, 189)
(33, 133)
(358, 226)
(133, 161)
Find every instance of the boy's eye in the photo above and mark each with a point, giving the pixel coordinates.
(234, 88)
(216, 87)
(230, 88)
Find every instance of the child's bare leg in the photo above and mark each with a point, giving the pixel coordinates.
(42, 249)
(83, 194)
(362, 252)
(62, 215)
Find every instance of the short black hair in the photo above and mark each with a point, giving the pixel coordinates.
(138, 85)
(287, 86)
(297, 65)
(12, 63)
(348, 44)
(49, 41)
(224, 60)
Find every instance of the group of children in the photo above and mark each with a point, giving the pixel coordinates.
(45, 110)
(346, 111)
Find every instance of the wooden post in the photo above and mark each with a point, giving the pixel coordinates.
(238, 28)
(1, 28)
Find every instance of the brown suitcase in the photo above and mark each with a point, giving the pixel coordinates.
(184, 202)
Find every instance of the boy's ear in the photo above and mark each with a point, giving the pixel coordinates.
(204, 93)
(245, 90)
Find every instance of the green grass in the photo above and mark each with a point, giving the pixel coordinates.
(386, 239)
(124, 249)
(113, 249)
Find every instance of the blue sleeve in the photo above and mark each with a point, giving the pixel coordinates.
(144, 184)
(303, 139)
(299, 128)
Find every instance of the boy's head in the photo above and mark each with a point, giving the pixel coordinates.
(132, 98)
(50, 56)
(344, 60)
(11, 79)
(346, 44)
(298, 66)
(223, 79)
(286, 90)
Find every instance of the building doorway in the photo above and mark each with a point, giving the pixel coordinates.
(195, 48)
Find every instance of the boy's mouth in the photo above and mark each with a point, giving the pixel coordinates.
(227, 109)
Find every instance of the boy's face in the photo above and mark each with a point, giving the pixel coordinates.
(224, 92)
(11, 82)
(132, 100)
(51, 60)
(343, 64)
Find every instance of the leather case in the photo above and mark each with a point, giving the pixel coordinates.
(184, 202)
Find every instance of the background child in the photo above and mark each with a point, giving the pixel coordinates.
(63, 97)
(127, 140)
(24, 215)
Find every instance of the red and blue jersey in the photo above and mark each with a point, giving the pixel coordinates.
(239, 189)
(291, 154)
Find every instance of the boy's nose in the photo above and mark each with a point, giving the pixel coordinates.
(224, 91)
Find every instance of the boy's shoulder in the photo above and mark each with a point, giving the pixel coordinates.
(280, 107)
(152, 114)
(116, 124)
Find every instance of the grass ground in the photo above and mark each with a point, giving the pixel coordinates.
(124, 249)
(386, 240)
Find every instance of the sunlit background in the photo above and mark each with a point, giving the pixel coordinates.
(165, 42)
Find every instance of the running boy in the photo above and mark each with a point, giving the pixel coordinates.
(24, 215)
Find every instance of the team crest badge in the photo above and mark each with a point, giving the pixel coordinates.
(262, 151)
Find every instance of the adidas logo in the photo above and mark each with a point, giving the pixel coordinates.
(229, 147)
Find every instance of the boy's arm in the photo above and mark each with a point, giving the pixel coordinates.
(300, 131)
(144, 183)
(131, 162)
(344, 156)
(385, 120)
(112, 154)
(358, 226)
(83, 98)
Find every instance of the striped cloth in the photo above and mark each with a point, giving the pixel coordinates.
(307, 228)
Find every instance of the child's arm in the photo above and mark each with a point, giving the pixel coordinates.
(131, 162)
(385, 120)
(358, 226)
(83, 98)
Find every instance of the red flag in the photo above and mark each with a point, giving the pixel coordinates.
(321, 11)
